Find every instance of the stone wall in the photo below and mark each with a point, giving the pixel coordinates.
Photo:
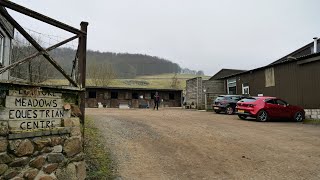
(194, 92)
(45, 157)
(312, 113)
(41, 153)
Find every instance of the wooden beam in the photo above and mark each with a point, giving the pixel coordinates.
(40, 17)
(83, 55)
(82, 69)
(20, 62)
(62, 43)
(36, 54)
(25, 34)
(74, 65)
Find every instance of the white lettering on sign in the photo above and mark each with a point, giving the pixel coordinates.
(29, 110)
(29, 102)
(35, 113)
(34, 124)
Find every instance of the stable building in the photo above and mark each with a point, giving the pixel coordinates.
(116, 97)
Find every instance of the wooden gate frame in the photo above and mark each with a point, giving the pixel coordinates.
(81, 54)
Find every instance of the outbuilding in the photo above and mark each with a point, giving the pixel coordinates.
(115, 97)
(200, 92)
(294, 78)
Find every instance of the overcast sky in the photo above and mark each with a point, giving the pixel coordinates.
(198, 34)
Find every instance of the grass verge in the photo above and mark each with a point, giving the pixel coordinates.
(312, 121)
(99, 163)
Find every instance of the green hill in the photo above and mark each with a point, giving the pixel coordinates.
(161, 81)
(124, 65)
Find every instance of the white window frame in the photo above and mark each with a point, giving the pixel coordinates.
(2, 48)
(245, 87)
(231, 81)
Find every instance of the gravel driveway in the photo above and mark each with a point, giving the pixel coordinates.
(187, 144)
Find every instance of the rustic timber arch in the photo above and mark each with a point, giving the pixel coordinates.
(78, 73)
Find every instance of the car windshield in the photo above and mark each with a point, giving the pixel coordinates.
(234, 98)
(219, 98)
(248, 100)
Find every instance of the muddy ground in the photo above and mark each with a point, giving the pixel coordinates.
(188, 144)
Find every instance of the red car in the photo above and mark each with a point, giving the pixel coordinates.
(265, 108)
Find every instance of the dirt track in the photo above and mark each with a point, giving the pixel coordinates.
(185, 144)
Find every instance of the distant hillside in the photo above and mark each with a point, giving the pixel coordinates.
(162, 81)
(124, 65)
(100, 65)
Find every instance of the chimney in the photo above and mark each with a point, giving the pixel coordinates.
(315, 44)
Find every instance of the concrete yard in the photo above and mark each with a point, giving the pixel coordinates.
(188, 144)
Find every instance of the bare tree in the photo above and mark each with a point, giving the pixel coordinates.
(34, 71)
(175, 83)
(101, 74)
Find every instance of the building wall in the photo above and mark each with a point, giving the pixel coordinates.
(125, 97)
(213, 88)
(309, 85)
(296, 83)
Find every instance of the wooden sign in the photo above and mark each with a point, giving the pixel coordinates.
(29, 93)
(29, 110)
(30, 102)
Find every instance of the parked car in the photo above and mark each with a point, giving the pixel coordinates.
(226, 103)
(266, 108)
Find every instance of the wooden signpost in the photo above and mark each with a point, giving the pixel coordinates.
(28, 110)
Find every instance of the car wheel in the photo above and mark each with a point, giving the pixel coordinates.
(216, 111)
(298, 117)
(262, 116)
(243, 117)
(229, 110)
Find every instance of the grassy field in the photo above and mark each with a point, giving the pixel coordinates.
(162, 81)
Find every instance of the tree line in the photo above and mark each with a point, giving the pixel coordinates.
(111, 65)
(124, 65)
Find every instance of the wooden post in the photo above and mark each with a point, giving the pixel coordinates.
(82, 68)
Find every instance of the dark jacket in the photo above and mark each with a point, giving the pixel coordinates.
(156, 98)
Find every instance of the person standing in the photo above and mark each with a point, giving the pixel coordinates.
(156, 99)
